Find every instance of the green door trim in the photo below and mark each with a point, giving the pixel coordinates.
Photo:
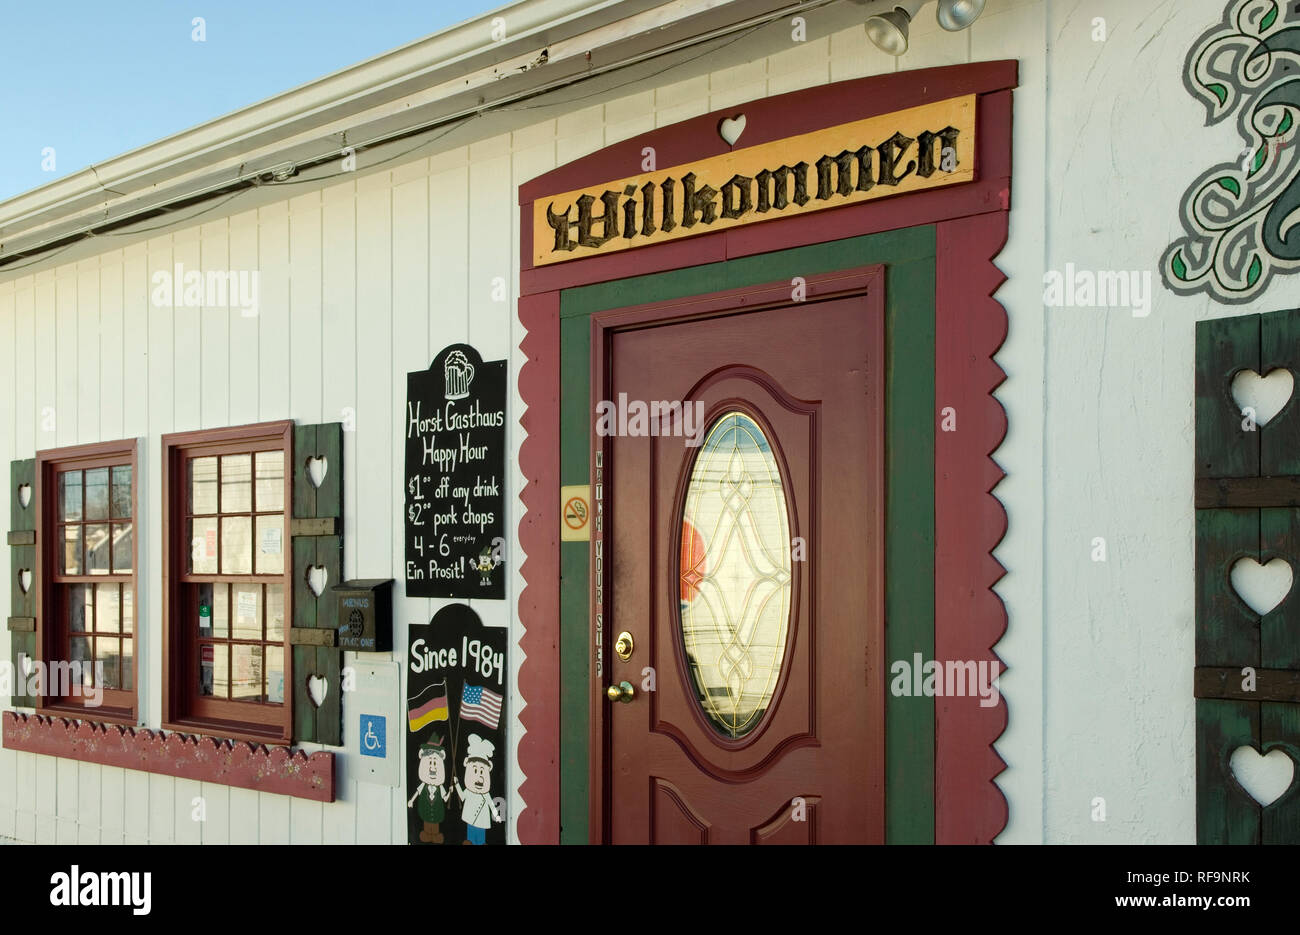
(909, 259)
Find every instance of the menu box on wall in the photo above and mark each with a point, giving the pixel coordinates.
(455, 477)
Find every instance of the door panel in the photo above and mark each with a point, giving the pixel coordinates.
(672, 821)
(797, 824)
(793, 749)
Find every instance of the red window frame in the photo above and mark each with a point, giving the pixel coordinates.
(52, 631)
(184, 708)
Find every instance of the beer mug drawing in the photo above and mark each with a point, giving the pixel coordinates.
(458, 373)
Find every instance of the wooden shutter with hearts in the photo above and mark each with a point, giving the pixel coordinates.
(1247, 676)
(317, 533)
(23, 585)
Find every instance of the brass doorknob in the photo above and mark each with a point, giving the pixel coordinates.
(623, 692)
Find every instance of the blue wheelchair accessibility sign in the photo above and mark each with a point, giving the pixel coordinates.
(373, 734)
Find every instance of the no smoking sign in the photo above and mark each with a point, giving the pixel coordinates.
(575, 513)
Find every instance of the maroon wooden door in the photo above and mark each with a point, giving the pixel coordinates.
(748, 571)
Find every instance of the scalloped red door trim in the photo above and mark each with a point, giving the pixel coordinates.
(971, 228)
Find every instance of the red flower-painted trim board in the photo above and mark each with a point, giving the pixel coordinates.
(228, 763)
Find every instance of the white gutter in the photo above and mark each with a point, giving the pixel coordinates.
(443, 54)
(457, 72)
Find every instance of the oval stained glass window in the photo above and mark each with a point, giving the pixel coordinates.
(735, 574)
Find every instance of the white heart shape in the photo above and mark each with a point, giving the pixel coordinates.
(1262, 587)
(1265, 395)
(27, 664)
(317, 577)
(731, 128)
(24, 495)
(1266, 778)
(316, 470)
(25, 579)
(317, 689)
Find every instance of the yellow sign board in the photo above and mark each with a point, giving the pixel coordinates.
(909, 150)
(575, 513)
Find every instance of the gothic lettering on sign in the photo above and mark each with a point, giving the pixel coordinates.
(631, 212)
(871, 158)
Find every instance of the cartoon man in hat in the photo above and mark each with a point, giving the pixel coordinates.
(485, 564)
(479, 809)
(432, 792)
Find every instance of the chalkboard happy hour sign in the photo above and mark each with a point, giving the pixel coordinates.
(455, 476)
(456, 719)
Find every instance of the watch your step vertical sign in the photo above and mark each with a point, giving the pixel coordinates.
(456, 738)
(456, 477)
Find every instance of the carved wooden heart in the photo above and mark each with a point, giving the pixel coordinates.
(730, 128)
(1265, 395)
(25, 579)
(24, 495)
(1266, 777)
(317, 468)
(317, 689)
(1262, 587)
(318, 577)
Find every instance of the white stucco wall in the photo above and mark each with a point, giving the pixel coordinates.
(386, 268)
(1124, 141)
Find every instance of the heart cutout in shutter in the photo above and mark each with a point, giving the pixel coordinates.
(1266, 778)
(24, 495)
(317, 689)
(25, 579)
(317, 468)
(27, 664)
(730, 128)
(317, 577)
(1265, 395)
(1262, 587)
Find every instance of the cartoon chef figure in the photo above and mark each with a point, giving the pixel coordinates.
(479, 809)
(432, 792)
(485, 564)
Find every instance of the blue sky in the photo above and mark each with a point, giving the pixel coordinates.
(93, 79)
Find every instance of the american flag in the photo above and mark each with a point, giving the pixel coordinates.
(480, 704)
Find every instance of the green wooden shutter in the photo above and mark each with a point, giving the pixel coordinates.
(1247, 506)
(317, 535)
(22, 558)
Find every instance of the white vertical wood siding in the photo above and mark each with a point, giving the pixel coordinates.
(366, 279)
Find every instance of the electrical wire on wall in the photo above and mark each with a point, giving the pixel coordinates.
(238, 186)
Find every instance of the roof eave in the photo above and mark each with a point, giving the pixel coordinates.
(434, 60)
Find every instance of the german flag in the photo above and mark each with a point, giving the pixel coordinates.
(428, 706)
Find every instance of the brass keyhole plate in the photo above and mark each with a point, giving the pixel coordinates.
(623, 646)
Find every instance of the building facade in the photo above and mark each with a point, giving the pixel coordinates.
(946, 352)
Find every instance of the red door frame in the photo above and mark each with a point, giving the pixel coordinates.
(970, 228)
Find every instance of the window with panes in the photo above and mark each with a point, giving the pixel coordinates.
(230, 499)
(89, 604)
